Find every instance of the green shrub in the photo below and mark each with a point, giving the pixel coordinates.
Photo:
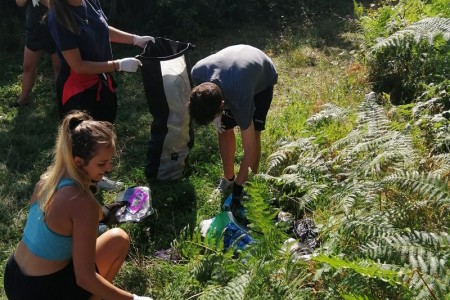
(411, 58)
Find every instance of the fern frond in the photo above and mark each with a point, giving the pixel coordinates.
(288, 153)
(431, 239)
(364, 267)
(328, 113)
(427, 29)
(420, 250)
(428, 185)
(426, 287)
(440, 164)
(386, 153)
(355, 195)
(373, 128)
(302, 190)
(234, 290)
(372, 226)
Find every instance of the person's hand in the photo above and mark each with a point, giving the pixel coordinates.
(218, 124)
(21, 3)
(233, 204)
(136, 297)
(129, 64)
(109, 212)
(142, 41)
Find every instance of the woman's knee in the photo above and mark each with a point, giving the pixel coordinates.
(117, 240)
(119, 235)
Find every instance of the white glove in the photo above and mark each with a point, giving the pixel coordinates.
(141, 41)
(218, 124)
(136, 297)
(35, 2)
(129, 64)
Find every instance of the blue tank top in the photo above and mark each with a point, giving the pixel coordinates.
(40, 239)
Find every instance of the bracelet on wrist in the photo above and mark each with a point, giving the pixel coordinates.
(116, 68)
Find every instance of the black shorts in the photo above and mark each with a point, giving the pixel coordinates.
(262, 105)
(39, 38)
(58, 286)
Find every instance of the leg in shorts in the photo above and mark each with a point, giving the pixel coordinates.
(262, 105)
(60, 285)
(39, 38)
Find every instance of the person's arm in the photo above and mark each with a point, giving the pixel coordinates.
(21, 3)
(119, 36)
(252, 152)
(122, 37)
(45, 3)
(80, 66)
(85, 217)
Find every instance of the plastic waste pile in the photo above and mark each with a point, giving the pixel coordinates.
(228, 226)
(138, 204)
(306, 233)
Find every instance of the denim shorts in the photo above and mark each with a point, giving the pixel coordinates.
(60, 285)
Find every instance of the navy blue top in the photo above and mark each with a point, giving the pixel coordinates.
(93, 38)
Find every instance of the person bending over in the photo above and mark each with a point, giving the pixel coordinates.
(234, 87)
(60, 255)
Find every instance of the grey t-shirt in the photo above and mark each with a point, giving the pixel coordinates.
(241, 71)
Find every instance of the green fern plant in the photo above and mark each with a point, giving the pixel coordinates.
(411, 58)
(385, 213)
(329, 112)
(425, 29)
(387, 236)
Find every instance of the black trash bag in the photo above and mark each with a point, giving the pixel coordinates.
(306, 232)
(167, 85)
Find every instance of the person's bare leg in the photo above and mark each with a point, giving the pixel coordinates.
(30, 62)
(258, 147)
(111, 251)
(56, 63)
(227, 148)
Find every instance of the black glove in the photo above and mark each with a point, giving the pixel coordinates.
(237, 191)
(236, 207)
(238, 211)
(109, 212)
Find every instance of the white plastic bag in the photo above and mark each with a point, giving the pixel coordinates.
(139, 204)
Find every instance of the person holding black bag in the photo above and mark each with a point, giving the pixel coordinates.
(83, 41)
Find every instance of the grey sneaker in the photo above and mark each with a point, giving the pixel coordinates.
(107, 184)
(224, 185)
